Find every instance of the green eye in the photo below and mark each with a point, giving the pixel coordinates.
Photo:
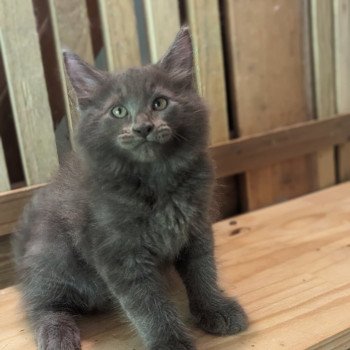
(119, 112)
(159, 104)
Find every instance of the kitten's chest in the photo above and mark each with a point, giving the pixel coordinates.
(168, 226)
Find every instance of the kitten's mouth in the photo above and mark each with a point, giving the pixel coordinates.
(131, 141)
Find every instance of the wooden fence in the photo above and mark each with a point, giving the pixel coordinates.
(275, 74)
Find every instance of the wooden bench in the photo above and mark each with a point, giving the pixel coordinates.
(289, 265)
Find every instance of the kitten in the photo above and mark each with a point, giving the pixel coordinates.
(133, 198)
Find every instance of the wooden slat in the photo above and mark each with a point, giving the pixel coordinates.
(71, 30)
(323, 64)
(4, 177)
(119, 33)
(266, 47)
(342, 71)
(161, 14)
(11, 206)
(26, 83)
(287, 264)
(204, 20)
(249, 153)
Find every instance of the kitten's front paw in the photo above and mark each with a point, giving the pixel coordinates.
(226, 317)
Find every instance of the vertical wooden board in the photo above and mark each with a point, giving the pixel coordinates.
(163, 22)
(4, 178)
(324, 79)
(342, 72)
(265, 41)
(204, 20)
(120, 37)
(71, 29)
(26, 83)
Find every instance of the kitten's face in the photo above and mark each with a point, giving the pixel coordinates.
(147, 113)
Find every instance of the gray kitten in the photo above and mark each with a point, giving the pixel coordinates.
(133, 199)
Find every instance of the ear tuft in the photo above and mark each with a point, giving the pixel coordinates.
(178, 60)
(84, 78)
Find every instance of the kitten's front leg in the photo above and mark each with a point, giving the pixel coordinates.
(136, 283)
(214, 312)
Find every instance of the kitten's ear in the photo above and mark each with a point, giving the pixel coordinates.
(178, 60)
(84, 78)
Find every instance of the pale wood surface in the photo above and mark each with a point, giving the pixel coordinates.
(4, 178)
(120, 33)
(11, 206)
(267, 53)
(71, 30)
(342, 71)
(26, 83)
(163, 22)
(204, 20)
(287, 264)
(324, 80)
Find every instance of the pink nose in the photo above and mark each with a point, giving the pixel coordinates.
(143, 129)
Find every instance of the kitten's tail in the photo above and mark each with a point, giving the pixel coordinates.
(56, 331)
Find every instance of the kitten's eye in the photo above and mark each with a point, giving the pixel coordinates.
(159, 104)
(119, 112)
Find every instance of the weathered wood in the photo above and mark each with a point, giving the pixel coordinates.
(260, 150)
(287, 264)
(266, 53)
(161, 14)
(119, 33)
(323, 68)
(11, 206)
(342, 72)
(71, 31)
(26, 83)
(204, 20)
(4, 177)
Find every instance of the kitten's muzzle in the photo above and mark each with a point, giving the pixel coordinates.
(143, 129)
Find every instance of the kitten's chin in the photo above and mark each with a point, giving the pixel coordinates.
(143, 152)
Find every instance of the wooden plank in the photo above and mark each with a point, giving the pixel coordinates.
(267, 60)
(161, 14)
(26, 83)
(71, 29)
(119, 33)
(342, 71)
(204, 20)
(290, 263)
(4, 177)
(260, 150)
(11, 206)
(324, 80)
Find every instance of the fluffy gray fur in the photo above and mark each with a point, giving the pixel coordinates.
(132, 199)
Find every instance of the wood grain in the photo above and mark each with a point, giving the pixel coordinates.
(267, 56)
(4, 177)
(119, 33)
(163, 22)
(11, 206)
(260, 150)
(204, 20)
(324, 80)
(342, 71)
(71, 30)
(26, 83)
(287, 264)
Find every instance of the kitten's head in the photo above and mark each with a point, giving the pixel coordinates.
(144, 114)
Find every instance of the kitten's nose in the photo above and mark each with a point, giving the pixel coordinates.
(143, 129)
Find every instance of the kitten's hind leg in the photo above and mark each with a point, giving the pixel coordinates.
(56, 330)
